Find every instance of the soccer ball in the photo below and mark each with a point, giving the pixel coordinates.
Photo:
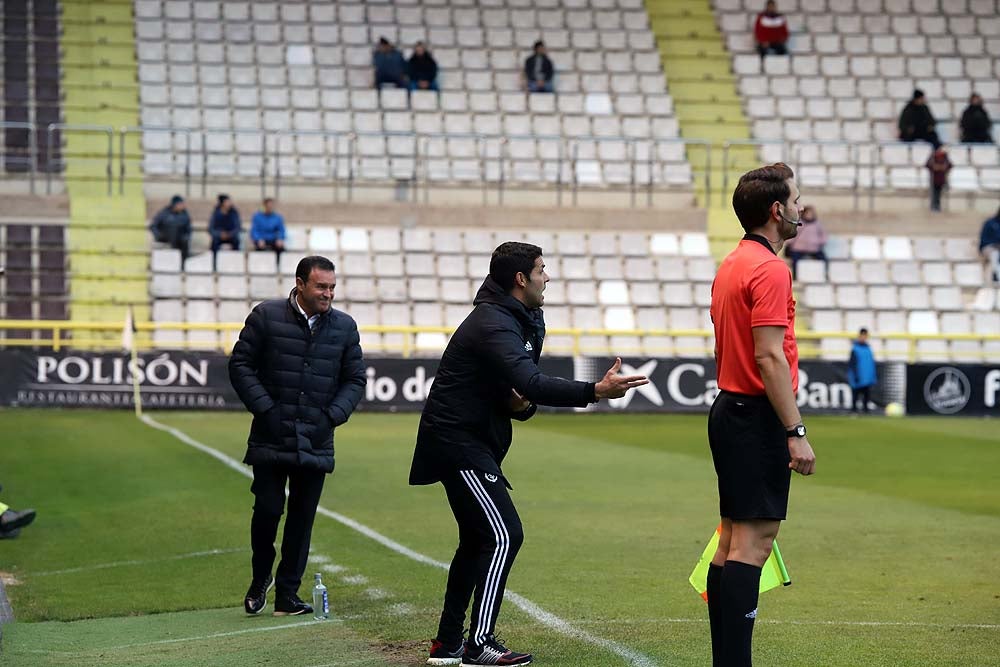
(894, 410)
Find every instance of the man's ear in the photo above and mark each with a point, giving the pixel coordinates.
(520, 279)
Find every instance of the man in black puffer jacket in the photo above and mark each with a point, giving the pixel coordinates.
(489, 375)
(298, 368)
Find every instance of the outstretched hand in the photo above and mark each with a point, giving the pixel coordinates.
(614, 385)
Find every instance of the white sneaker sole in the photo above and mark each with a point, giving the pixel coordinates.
(264, 606)
(444, 661)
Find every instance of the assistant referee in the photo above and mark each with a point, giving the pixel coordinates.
(754, 427)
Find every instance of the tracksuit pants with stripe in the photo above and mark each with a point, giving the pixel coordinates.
(489, 536)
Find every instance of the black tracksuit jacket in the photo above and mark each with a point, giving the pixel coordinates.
(465, 424)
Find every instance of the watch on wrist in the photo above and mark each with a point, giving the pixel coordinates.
(797, 431)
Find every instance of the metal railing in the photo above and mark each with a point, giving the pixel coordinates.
(81, 128)
(644, 164)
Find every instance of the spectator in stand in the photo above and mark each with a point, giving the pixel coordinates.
(977, 128)
(389, 65)
(989, 245)
(916, 122)
(224, 226)
(267, 229)
(422, 69)
(172, 225)
(539, 71)
(809, 241)
(862, 374)
(771, 31)
(939, 166)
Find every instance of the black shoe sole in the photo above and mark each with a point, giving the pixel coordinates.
(291, 613)
(22, 521)
(263, 606)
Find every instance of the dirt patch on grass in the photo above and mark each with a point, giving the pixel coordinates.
(408, 653)
(9, 579)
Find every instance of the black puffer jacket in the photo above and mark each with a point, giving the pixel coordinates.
(466, 420)
(298, 385)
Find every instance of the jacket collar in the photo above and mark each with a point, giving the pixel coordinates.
(294, 306)
(531, 318)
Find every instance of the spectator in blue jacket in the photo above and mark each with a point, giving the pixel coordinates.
(861, 372)
(267, 230)
(224, 226)
(989, 245)
(390, 67)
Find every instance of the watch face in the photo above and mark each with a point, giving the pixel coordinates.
(800, 431)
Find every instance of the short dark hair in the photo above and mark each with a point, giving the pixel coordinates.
(307, 264)
(917, 94)
(222, 198)
(268, 200)
(757, 190)
(538, 44)
(862, 331)
(511, 258)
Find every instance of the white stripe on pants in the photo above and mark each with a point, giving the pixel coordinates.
(495, 572)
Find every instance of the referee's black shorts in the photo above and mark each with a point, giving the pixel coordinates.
(750, 452)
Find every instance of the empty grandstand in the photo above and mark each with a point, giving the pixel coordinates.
(622, 173)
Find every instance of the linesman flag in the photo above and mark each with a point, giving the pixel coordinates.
(773, 575)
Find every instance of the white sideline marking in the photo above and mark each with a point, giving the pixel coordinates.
(355, 579)
(333, 569)
(180, 640)
(319, 559)
(775, 621)
(124, 563)
(527, 606)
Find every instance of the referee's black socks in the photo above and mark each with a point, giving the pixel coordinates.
(740, 588)
(714, 592)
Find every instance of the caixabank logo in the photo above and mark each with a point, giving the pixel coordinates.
(947, 390)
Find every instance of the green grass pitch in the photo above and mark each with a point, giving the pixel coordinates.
(140, 554)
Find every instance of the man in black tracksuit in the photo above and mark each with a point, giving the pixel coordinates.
(298, 368)
(489, 375)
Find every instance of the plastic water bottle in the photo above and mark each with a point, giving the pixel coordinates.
(321, 602)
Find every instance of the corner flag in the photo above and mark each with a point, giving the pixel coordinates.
(772, 575)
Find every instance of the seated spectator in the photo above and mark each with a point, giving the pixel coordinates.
(916, 122)
(538, 71)
(12, 521)
(809, 241)
(989, 245)
(977, 128)
(224, 226)
(389, 65)
(771, 31)
(267, 229)
(939, 165)
(422, 69)
(172, 225)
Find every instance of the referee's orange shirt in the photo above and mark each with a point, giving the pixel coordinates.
(753, 288)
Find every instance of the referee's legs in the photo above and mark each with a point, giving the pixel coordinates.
(490, 536)
(734, 585)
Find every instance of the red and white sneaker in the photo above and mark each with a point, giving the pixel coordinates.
(442, 655)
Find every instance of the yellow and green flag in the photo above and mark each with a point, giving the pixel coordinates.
(773, 575)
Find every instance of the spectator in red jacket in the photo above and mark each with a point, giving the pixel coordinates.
(771, 31)
(939, 165)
